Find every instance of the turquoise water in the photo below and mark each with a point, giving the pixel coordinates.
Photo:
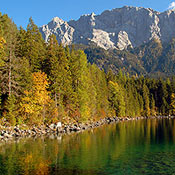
(127, 148)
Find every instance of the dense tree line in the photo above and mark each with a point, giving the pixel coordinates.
(46, 82)
(154, 59)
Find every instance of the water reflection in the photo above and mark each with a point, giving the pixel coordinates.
(133, 147)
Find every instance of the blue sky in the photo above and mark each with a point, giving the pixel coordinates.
(42, 11)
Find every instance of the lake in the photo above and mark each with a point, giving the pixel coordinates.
(125, 148)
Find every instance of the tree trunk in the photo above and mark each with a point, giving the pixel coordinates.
(10, 73)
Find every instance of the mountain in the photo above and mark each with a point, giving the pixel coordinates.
(153, 59)
(118, 28)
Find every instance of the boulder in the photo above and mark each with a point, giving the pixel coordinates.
(52, 126)
(58, 125)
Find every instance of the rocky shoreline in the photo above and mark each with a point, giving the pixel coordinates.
(9, 133)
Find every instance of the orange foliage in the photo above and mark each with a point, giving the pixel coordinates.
(42, 168)
(35, 101)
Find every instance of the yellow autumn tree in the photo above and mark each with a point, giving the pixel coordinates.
(2, 42)
(172, 105)
(35, 102)
(2, 52)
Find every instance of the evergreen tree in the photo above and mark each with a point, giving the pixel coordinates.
(162, 97)
(33, 46)
(11, 110)
(100, 93)
(152, 106)
(9, 69)
(56, 65)
(80, 79)
(93, 91)
(146, 100)
(8, 83)
(116, 98)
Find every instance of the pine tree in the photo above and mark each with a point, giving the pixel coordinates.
(162, 97)
(8, 69)
(80, 78)
(21, 48)
(116, 98)
(69, 94)
(152, 106)
(57, 67)
(11, 110)
(146, 100)
(92, 91)
(33, 46)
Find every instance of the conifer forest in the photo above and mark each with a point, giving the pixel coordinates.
(45, 82)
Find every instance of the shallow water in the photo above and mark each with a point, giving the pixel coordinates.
(126, 148)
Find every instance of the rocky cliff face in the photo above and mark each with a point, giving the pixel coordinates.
(63, 31)
(118, 28)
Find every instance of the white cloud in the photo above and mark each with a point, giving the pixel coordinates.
(172, 5)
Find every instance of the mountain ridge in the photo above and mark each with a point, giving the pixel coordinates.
(118, 28)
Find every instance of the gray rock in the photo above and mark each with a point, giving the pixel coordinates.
(52, 126)
(58, 125)
(60, 28)
(116, 28)
(7, 135)
(123, 41)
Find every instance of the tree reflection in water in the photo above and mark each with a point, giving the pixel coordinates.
(132, 147)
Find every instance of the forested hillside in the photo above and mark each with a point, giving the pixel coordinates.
(152, 59)
(45, 82)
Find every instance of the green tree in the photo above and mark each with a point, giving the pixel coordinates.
(57, 67)
(11, 110)
(152, 106)
(98, 92)
(33, 46)
(116, 98)
(80, 78)
(8, 83)
(146, 100)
